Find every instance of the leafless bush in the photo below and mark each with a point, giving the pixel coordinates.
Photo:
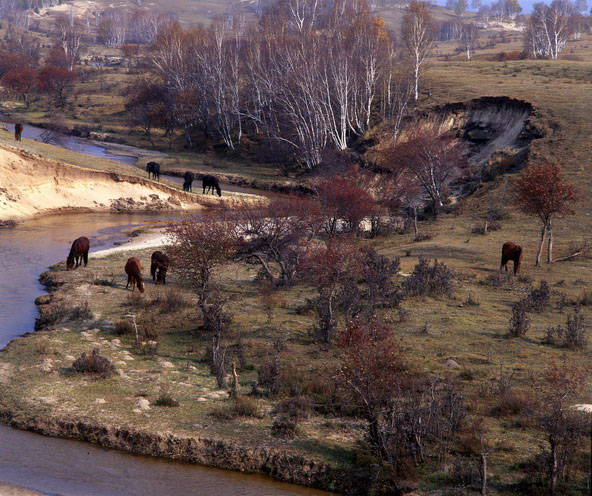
(377, 273)
(241, 406)
(497, 279)
(244, 406)
(269, 374)
(519, 322)
(539, 299)
(426, 280)
(285, 426)
(507, 400)
(296, 406)
(573, 336)
(165, 397)
(94, 364)
(110, 282)
(170, 301)
(81, 312)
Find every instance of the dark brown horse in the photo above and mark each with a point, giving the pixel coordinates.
(159, 266)
(18, 131)
(133, 269)
(153, 169)
(511, 251)
(78, 253)
(188, 181)
(211, 183)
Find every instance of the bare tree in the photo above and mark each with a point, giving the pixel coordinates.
(70, 34)
(469, 34)
(548, 29)
(418, 36)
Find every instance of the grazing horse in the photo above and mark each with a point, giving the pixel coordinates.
(133, 269)
(78, 253)
(153, 169)
(159, 266)
(18, 131)
(211, 182)
(188, 181)
(511, 251)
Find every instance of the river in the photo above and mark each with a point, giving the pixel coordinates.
(71, 468)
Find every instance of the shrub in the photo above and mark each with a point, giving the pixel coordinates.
(243, 406)
(298, 407)
(284, 426)
(94, 364)
(170, 301)
(585, 300)
(539, 299)
(165, 398)
(472, 301)
(507, 401)
(377, 273)
(53, 314)
(50, 315)
(497, 279)
(572, 336)
(110, 282)
(519, 322)
(82, 312)
(123, 327)
(427, 280)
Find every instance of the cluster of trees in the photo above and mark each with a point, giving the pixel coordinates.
(549, 27)
(411, 418)
(141, 26)
(308, 76)
(22, 77)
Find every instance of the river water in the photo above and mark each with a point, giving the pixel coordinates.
(71, 468)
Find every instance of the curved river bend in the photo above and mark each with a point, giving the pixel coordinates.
(72, 468)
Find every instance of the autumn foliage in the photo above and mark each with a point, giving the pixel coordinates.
(543, 192)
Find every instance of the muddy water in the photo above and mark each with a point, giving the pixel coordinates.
(58, 466)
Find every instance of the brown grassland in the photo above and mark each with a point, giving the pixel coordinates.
(469, 328)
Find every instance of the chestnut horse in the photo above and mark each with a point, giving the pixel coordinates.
(159, 266)
(78, 253)
(511, 251)
(18, 131)
(133, 269)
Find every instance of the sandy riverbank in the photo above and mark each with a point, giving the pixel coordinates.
(31, 186)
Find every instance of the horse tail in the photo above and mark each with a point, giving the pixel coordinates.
(85, 257)
(218, 189)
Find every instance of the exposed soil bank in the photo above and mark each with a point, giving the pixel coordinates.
(12, 490)
(31, 186)
(282, 465)
(490, 125)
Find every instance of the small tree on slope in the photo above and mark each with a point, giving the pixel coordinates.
(542, 191)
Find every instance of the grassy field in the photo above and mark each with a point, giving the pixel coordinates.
(470, 328)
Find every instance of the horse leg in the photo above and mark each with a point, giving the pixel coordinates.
(85, 257)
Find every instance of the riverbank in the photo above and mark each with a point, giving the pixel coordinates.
(13, 490)
(31, 186)
(85, 310)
